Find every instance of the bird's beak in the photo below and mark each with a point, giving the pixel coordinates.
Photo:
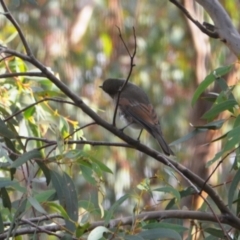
(101, 86)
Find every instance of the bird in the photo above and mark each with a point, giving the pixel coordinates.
(136, 108)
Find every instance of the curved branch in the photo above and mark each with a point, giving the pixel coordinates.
(203, 27)
(152, 215)
(223, 24)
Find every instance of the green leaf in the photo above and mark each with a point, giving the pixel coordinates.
(5, 182)
(44, 196)
(87, 205)
(212, 125)
(188, 136)
(217, 156)
(184, 193)
(221, 71)
(81, 229)
(233, 188)
(232, 139)
(175, 227)
(238, 204)
(132, 237)
(1, 224)
(87, 173)
(218, 108)
(11, 146)
(5, 198)
(36, 205)
(45, 171)
(113, 208)
(59, 209)
(215, 232)
(4, 130)
(102, 166)
(67, 196)
(25, 157)
(217, 73)
(170, 190)
(202, 87)
(237, 121)
(154, 234)
(29, 112)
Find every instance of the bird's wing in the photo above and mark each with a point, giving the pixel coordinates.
(143, 114)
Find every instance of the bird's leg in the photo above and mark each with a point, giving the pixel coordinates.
(122, 129)
(140, 135)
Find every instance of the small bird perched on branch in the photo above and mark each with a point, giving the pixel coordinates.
(136, 109)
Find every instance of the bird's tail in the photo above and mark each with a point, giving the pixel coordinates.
(166, 149)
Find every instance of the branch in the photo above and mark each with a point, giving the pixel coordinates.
(17, 74)
(82, 142)
(152, 215)
(204, 28)
(223, 24)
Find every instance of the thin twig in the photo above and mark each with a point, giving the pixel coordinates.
(82, 142)
(17, 27)
(214, 170)
(40, 101)
(17, 74)
(130, 70)
(78, 129)
(215, 215)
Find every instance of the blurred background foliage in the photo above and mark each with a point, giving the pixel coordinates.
(79, 40)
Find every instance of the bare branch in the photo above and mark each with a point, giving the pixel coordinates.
(203, 28)
(223, 24)
(132, 56)
(17, 74)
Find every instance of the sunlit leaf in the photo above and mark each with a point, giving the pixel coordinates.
(29, 112)
(97, 233)
(58, 208)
